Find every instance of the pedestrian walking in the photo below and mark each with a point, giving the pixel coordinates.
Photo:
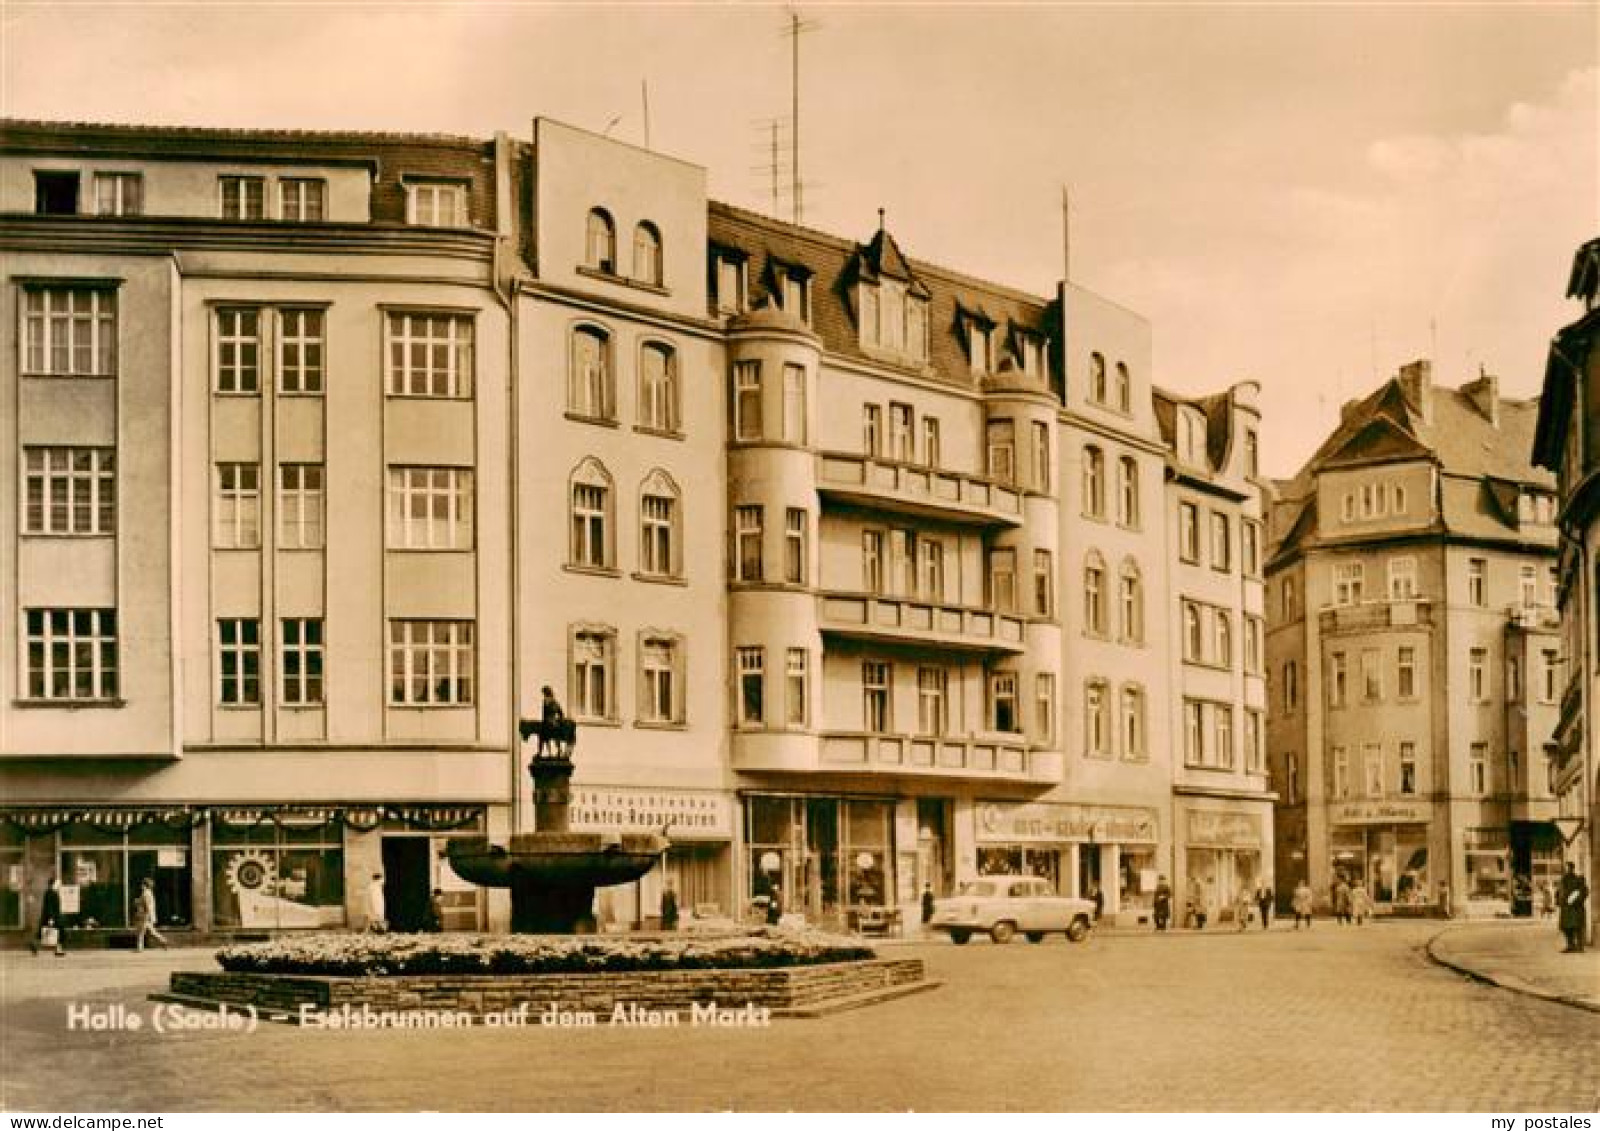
(775, 906)
(927, 904)
(1301, 904)
(1244, 908)
(1547, 900)
(1573, 895)
(1163, 903)
(1341, 901)
(1098, 898)
(1197, 908)
(1360, 903)
(49, 934)
(377, 911)
(1265, 898)
(669, 906)
(144, 915)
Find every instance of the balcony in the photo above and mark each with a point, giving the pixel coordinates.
(926, 492)
(872, 617)
(1532, 617)
(982, 757)
(1374, 616)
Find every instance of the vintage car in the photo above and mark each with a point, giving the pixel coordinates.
(1004, 906)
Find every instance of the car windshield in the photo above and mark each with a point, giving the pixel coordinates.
(978, 887)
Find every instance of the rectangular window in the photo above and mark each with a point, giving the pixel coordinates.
(1044, 601)
(55, 192)
(978, 347)
(1478, 768)
(794, 292)
(1348, 578)
(933, 707)
(796, 680)
(1193, 632)
(1222, 716)
(871, 430)
(752, 686)
(593, 669)
(930, 552)
(748, 564)
(1133, 743)
(591, 541)
(795, 545)
(431, 663)
(1528, 586)
(875, 697)
(70, 491)
(118, 194)
(1096, 740)
(300, 351)
(300, 674)
(794, 404)
(1372, 769)
(1341, 774)
(238, 506)
(69, 332)
(1003, 713)
(243, 198)
(930, 442)
(658, 516)
(1338, 681)
(1549, 676)
(903, 563)
(901, 436)
(72, 653)
(1371, 676)
(430, 355)
(1408, 768)
(730, 285)
(1250, 547)
(747, 401)
(1290, 600)
(1193, 733)
(1003, 580)
(300, 506)
(1253, 632)
(1044, 707)
(1406, 672)
(302, 199)
(1041, 456)
(1255, 746)
(1002, 449)
(435, 204)
(238, 350)
(239, 662)
(1513, 678)
(872, 561)
(1402, 579)
(1188, 532)
(430, 508)
(1221, 542)
(1478, 582)
(661, 697)
(1478, 675)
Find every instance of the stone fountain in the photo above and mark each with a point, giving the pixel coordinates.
(552, 872)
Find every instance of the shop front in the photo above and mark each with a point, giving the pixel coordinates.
(1224, 855)
(1383, 844)
(825, 858)
(699, 825)
(1078, 848)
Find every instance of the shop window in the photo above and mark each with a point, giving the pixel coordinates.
(102, 870)
(277, 875)
(13, 877)
(1488, 864)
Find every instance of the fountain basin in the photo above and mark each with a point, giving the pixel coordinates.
(594, 859)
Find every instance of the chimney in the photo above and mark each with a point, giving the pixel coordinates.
(1484, 393)
(1416, 383)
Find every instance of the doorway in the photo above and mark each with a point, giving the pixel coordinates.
(406, 879)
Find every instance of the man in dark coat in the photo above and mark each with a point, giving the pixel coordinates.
(50, 915)
(1163, 903)
(1265, 898)
(927, 904)
(669, 908)
(1573, 897)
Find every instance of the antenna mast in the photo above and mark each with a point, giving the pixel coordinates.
(797, 28)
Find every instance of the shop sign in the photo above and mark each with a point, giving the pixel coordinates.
(685, 814)
(1042, 821)
(1212, 829)
(71, 899)
(1379, 813)
(172, 857)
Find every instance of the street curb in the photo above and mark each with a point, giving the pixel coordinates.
(1504, 980)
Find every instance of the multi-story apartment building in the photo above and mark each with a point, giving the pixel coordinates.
(1567, 442)
(334, 449)
(1222, 814)
(1413, 651)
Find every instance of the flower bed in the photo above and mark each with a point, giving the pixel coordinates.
(381, 955)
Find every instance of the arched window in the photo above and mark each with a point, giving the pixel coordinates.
(1128, 492)
(600, 244)
(661, 677)
(590, 391)
(1193, 644)
(660, 526)
(658, 387)
(1094, 482)
(1133, 743)
(1222, 629)
(590, 500)
(1096, 734)
(1191, 437)
(1097, 378)
(1124, 388)
(647, 266)
(1094, 594)
(1130, 597)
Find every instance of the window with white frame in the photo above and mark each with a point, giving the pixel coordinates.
(1131, 600)
(903, 562)
(1549, 676)
(302, 199)
(1003, 580)
(1372, 769)
(238, 350)
(1338, 680)
(902, 437)
(300, 662)
(1405, 672)
(1477, 582)
(118, 194)
(794, 291)
(1124, 390)
(591, 389)
(1094, 482)
(430, 354)
(239, 662)
(1221, 638)
(300, 350)
(1340, 786)
(1221, 542)
(659, 536)
(648, 267)
(871, 430)
(430, 508)
(872, 577)
(933, 701)
(1408, 768)
(432, 663)
(748, 533)
(1004, 713)
(876, 697)
(1194, 742)
(1255, 745)
(930, 568)
(930, 442)
(796, 545)
(1044, 583)
(661, 681)
(591, 501)
(1371, 675)
(243, 198)
(1041, 456)
(1194, 649)
(1528, 585)
(1188, 532)
(592, 673)
(1348, 579)
(794, 404)
(730, 283)
(1252, 453)
(1044, 707)
(1192, 437)
(238, 506)
(1096, 724)
(71, 654)
(751, 664)
(747, 397)
(1254, 632)
(1250, 547)
(1134, 748)
(978, 346)
(1290, 599)
(1478, 768)
(436, 204)
(69, 490)
(1001, 436)
(1094, 594)
(1402, 578)
(69, 331)
(600, 242)
(658, 387)
(1478, 675)
(300, 506)
(1097, 378)
(1128, 493)
(796, 678)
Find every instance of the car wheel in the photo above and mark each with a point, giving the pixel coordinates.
(960, 937)
(1035, 936)
(1002, 932)
(1079, 930)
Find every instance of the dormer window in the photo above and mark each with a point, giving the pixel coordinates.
(647, 266)
(978, 344)
(1191, 437)
(1030, 353)
(893, 319)
(436, 204)
(600, 242)
(729, 282)
(793, 292)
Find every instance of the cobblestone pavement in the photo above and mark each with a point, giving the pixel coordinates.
(1335, 1019)
(1526, 956)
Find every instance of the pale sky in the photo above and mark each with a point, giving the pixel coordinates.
(1307, 195)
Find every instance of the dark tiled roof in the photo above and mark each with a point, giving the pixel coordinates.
(832, 263)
